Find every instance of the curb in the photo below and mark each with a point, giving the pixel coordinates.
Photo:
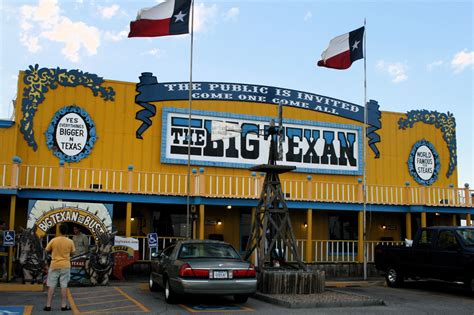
(14, 287)
(313, 304)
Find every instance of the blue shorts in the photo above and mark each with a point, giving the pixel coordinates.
(62, 275)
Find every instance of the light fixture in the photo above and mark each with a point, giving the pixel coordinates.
(437, 214)
(229, 207)
(132, 219)
(305, 225)
(219, 222)
(384, 227)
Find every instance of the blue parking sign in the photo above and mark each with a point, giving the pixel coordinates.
(8, 238)
(152, 240)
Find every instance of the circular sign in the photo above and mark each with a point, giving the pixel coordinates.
(423, 163)
(71, 134)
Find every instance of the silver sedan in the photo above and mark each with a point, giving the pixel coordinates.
(202, 267)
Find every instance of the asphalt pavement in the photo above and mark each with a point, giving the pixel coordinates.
(422, 297)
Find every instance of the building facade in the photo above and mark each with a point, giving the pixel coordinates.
(78, 138)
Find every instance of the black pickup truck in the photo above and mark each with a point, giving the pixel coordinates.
(441, 252)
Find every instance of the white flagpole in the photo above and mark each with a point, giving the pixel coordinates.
(188, 182)
(365, 153)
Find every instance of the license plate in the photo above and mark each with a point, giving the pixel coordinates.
(218, 274)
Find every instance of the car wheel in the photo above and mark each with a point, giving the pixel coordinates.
(152, 285)
(170, 295)
(394, 277)
(241, 298)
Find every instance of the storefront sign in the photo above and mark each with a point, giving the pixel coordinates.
(127, 242)
(423, 163)
(125, 252)
(45, 214)
(310, 146)
(71, 134)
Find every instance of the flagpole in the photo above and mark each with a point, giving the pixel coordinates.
(188, 182)
(365, 153)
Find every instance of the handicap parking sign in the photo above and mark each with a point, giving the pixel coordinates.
(8, 238)
(152, 240)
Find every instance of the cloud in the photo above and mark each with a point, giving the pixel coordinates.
(434, 65)
(308, 16)
(204, 17)
(232, 15)
(108, 12)
(462, 60)
(155, 52)
(44, 21)
(117, 36)
(396, 70)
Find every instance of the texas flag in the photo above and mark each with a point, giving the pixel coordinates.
(343, 50)
(167, 18)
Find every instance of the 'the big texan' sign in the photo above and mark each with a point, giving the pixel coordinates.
(311, 147)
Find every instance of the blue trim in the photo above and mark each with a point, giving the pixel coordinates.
(167, 110)
(181, 200)
(51, 134)
(6, 123)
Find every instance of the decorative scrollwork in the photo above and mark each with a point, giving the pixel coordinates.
(39, 81)
(445, 122)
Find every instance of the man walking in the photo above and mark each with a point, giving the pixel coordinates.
(61, 249)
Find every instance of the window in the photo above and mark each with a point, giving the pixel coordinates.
(343, 227)
(425, 238)
(447, 240)
(467, 236)
(167, 251)
(207, 250)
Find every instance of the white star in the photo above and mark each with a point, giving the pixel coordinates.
(355, 46)
(180, 16)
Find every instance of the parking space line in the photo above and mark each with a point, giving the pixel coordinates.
(140, 305)
(102, 302)
(107, 310)
(98, 296)
(72, 303)
(89, 292)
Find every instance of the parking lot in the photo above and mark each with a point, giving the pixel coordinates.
(423, 297)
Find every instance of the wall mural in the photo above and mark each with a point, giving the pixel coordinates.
(71, 134)
(149, 90)
(38, 81)
(445, 122)
(423, 163)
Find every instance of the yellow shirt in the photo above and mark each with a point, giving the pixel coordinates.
(61, 248)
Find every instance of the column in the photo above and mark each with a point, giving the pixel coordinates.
(309, 236)
(408, 225)
(11, 226)
(360, 238)
(201, 222)
(423, 219)
(252, 222)
(128, 220)
(455, 221)
(468, 219)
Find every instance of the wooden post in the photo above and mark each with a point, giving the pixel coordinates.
(360, 190)
(406, 195)
(61, 174)
(252, 220)
(423, 219)
(468, 219)
(309, 236)
(467, 196)
(408, 225)
(11, 226)
(309, 189)
(455, 221)
(202, 182)
(128, 220)
(201, 222)
(360, 238)
(15, 177)
(130, 178)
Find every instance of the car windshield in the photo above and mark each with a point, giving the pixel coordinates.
(467, 236)
(207, 250)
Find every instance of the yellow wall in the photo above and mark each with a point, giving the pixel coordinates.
(117, 146)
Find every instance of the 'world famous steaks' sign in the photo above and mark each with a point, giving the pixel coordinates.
(311, 147)
(149, 90)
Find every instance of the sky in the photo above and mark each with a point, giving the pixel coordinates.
(420, 54)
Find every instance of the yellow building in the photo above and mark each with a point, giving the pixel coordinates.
(77, 137)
